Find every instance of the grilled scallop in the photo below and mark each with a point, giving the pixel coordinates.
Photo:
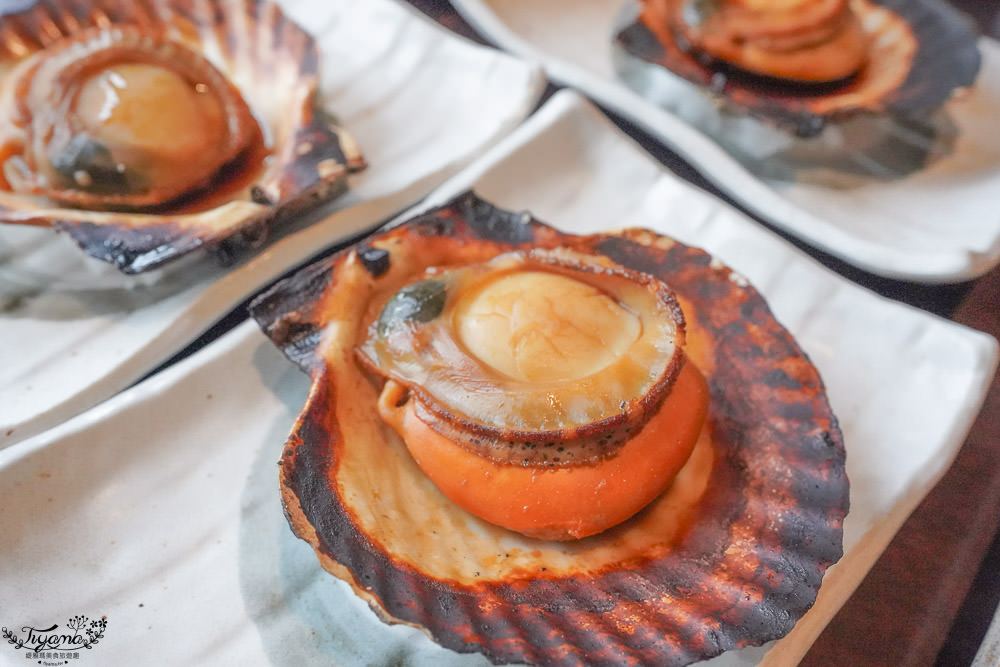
(399, 334)
(802, 64)
(146, 130)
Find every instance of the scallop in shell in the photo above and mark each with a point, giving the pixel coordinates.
(730, 555)
(843, 81)
(145, 130)
(543, 361)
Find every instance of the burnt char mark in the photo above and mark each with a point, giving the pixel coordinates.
(492, 223)
(780, 413)
(306, 466)
(375, 260)
(825, 479)
(253, 234)
(320, 165)
(471, 217)
(259, 196)
(298, 339)
(306, 469)
(780, 378)
(946, 53)
(131, 250)
(435, 223)
(639, 257)
(285, 313)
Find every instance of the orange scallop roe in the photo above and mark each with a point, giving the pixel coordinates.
(560, 503)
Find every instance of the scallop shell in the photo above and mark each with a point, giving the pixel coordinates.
(274, 65)
(731, 555)
(922, 52)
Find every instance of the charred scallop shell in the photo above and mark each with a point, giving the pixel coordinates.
(146, 130)
(920, 52)
(731, 555)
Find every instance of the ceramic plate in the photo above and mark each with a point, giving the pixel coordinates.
(938, 225)
(421, 103)
(160, 508)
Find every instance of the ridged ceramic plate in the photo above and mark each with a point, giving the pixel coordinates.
(940, 224)
(422, 103)
(160, 509)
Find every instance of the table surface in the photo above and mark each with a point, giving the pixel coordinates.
(931, 596)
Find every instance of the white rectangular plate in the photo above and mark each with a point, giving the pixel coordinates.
(420, 101)
(941, 224)
(160, 508)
